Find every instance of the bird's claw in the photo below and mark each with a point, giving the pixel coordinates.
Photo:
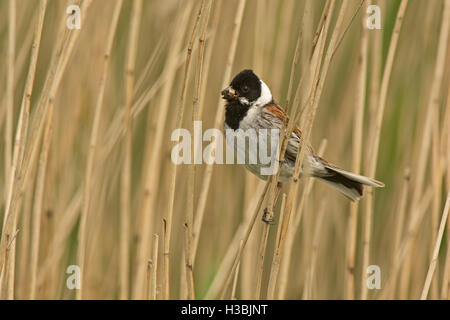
(267, 218)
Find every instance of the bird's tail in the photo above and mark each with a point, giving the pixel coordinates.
(349, 184)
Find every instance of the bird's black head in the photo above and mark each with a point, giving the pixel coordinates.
(245, 87)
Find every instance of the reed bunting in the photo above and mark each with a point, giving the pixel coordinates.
(250, 105)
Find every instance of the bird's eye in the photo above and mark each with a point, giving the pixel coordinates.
(245, 89)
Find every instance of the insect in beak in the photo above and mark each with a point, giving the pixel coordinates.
(229, 93)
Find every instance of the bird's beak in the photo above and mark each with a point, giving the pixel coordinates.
(229, 93)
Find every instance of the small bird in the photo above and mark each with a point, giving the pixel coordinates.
(250, 105)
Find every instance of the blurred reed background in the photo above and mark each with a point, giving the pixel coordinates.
(86, 176)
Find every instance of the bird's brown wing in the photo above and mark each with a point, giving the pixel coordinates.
(278, 112)
(294, 142)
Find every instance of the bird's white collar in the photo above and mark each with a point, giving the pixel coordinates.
(265, 97)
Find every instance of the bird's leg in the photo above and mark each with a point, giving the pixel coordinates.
(267, 218)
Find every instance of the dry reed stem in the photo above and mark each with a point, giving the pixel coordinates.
(7, 290)
(173, 180)
(275, 263)
(436, 176)
(245, 239)
(319, 82)
(314, 94)
(376, 141)
(262, 255)
(25, 106)
(19, 67)
(433, 262)
(193, 226)
(311, 84)
(189, 271)
(65, 44)
(436, 180)
(10, 268)
(153, 160)
(399, 228)
(356, 159)
(323, 18)
(192, 169)
(339, 41)
(63, 229)
(375, 77)
(287, 14)
(405, 249)
(8, 277)
(219, 113)
(286, 133)
(293, 68)
(407, 253)
(330, 54)
(445, 290)
(208, 56)
(87, 190)
(283, 206)
(82, 231)
(222, 274)
(374, 85)
(258, 44)
(39, 199)
(24, 251)
(446, 133)
(17, 181)
(10, 89)
(116, 129)
(125, 199)
(155, 267)
(432, 103)
(149, 66)
(149, 278)
(236, 274)
(154, 150)
(200, 62)
(291, 232)
(41, 179)
(13, 199)
(307, 86)
(72, 39)
(314, 252)
(248, 277)
(206, 183)
(432, 108)
(291, 124)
